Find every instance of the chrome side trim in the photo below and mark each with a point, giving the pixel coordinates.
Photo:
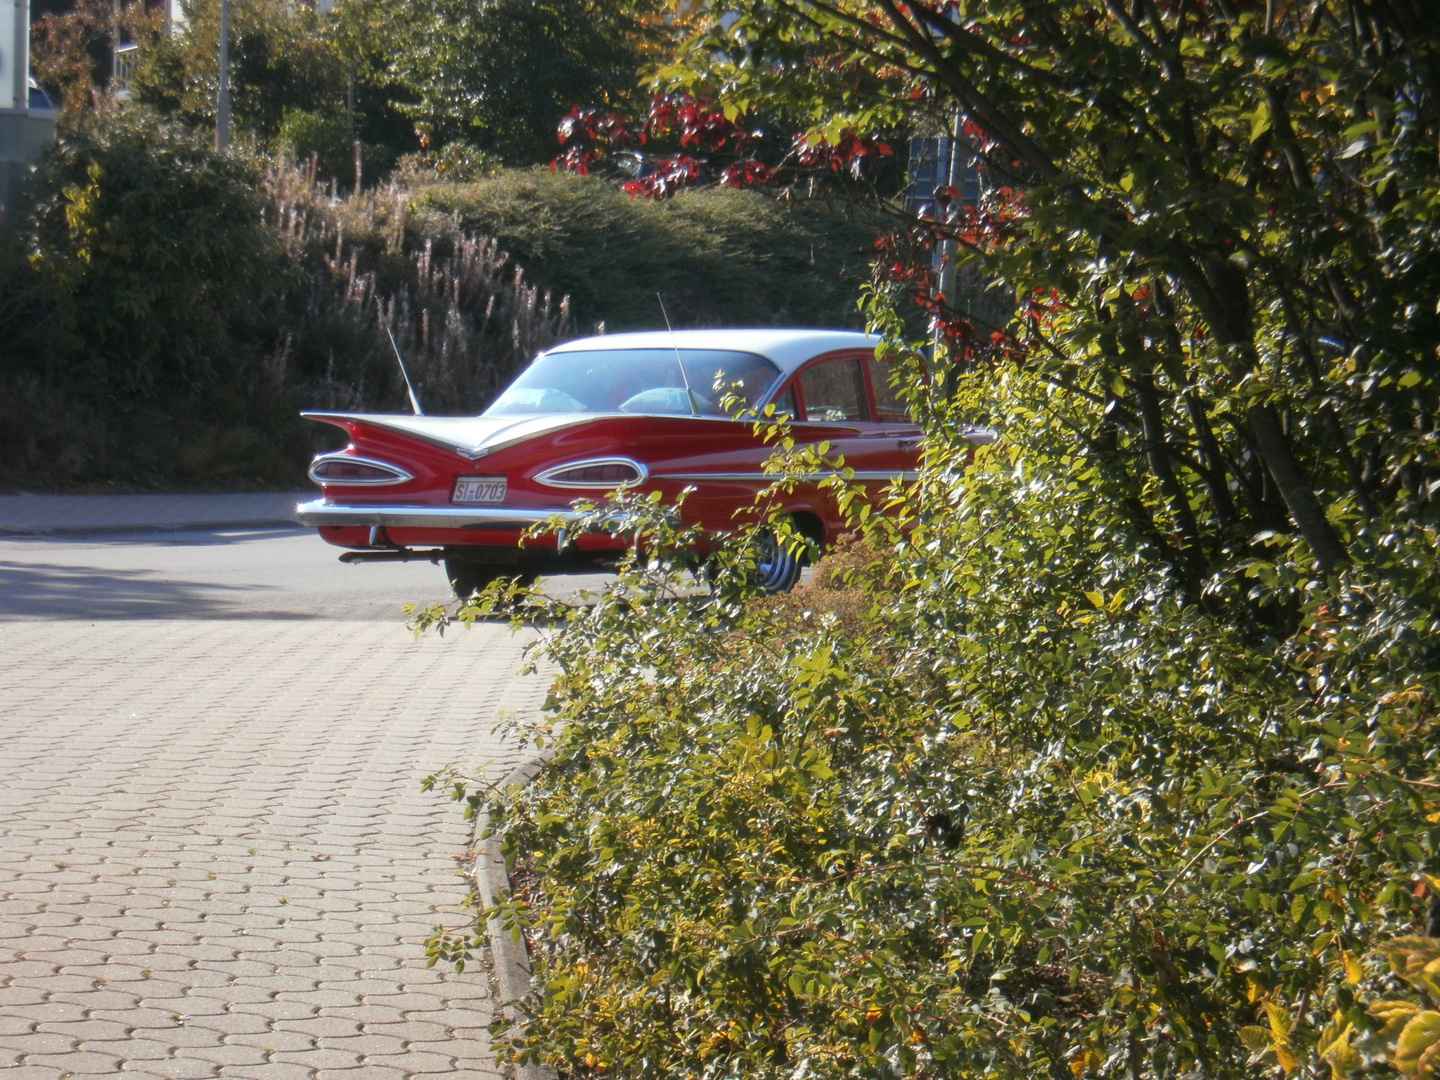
(769, 478)
(318, 512)
(398, 475)
(907, 476)
(546, 477)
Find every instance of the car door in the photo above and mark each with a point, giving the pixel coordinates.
(847, 401)
(829, 399)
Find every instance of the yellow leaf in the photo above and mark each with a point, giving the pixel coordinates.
(1255, 1039)
(1389, 1010)
(1288, 1061)
(1354, 971)
(1259, 124)
(1334, 1046)
(1280, 1022)
(1418, 1040)
(1392, 1014)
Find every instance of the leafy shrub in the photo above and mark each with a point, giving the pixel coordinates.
(1408, 1034)
(177, 309)
(26, 309)
(153, 247)
(1025, 811)
(305, 133)
(453, 163)
(721, 257)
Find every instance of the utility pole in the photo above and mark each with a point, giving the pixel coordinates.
(222, 95)
(951, 209)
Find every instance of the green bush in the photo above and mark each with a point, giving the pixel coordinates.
(152, 247)
(305, 134)
(721, 257)
(1004, 805)
(134, 294)
(453, 163)
(502, 73)
(26, 308)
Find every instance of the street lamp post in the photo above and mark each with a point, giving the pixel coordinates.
(222, 96)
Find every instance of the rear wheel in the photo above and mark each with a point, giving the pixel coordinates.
(777, 568)
(468, 577)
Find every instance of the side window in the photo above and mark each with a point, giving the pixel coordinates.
(785, 403)
(835, 391)
(889, 408)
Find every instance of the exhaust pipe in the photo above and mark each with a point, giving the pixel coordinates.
(433, 555)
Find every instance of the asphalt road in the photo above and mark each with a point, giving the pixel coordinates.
(215, 856)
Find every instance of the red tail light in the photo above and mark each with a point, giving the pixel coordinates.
(349, 469)
(595, 473)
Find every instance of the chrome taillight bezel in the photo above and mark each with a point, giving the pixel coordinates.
(550, 477)
(397, 474)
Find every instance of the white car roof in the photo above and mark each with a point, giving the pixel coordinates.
(786, 349)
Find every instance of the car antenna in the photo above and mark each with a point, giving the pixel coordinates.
(689, 394)
(409, 386)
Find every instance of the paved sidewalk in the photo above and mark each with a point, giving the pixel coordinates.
(209, 873)
(22, 515)
(215, 858)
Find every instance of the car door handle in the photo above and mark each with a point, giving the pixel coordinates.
(912, 443)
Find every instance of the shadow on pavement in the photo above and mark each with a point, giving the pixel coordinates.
(70, 577)
(249, 573)
(54, 591)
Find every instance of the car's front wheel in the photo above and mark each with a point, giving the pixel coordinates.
(468, 577)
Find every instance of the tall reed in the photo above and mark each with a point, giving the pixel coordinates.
(462, 313)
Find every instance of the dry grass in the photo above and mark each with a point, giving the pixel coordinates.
(842, 585)
(462, 313)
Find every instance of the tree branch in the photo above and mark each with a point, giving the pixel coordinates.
(995, 122)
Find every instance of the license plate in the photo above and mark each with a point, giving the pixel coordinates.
(479, 489)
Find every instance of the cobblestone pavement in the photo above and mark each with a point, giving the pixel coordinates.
(215, 858)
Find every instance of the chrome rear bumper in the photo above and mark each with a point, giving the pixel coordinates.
(319, 512)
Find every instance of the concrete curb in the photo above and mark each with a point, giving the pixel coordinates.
(58, 515)
(510, 959)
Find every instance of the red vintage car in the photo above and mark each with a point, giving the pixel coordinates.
(643, 411)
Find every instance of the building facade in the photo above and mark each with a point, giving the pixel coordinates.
(27, 119)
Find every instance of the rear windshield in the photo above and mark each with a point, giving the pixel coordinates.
(637, 381)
